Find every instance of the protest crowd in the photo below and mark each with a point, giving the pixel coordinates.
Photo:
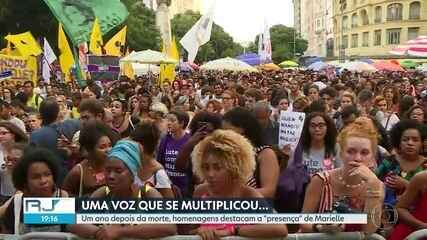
(215, 134)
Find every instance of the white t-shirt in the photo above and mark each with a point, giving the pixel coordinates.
(315, 161)
(159, 180)
(391, 122)
(6, 183)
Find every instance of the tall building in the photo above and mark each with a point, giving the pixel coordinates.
(371, 28)
(181, 6)
(317, 26)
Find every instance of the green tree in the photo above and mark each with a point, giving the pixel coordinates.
(220, 45)
(142, 30)
(35, 16)
(282, 43)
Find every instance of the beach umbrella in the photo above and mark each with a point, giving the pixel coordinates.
(357, 66)
(269, 67)
(250, 58)
(148, 57)
(416, 47)
(318, 66)
(408, 64)
(229, 64)
(367, 60)
(288, 63)
(387, 66)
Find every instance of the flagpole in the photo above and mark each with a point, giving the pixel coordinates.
(79, 76)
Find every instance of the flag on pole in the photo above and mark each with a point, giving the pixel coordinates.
(267, 43)
(25, 43)
(260, 45)
(198, 35)
(66, 59)
(116, 45)
(96, 43)
(48, 58)
(167, 71)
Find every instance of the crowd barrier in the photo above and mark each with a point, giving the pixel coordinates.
(298, 236)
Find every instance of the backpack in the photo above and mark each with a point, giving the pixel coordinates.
(291, 186)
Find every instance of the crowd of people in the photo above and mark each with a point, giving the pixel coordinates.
(215, 134)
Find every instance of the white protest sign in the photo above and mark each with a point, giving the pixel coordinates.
(291, 125)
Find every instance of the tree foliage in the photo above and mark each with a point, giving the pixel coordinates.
(142, 30)
(282, 43)
(35, 16)
(220, 45)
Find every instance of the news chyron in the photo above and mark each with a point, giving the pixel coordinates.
(170, 211)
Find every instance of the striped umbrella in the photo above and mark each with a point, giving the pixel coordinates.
(416, 47)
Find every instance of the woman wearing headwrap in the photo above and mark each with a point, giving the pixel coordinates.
(121, 169)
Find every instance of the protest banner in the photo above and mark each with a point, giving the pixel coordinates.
(291, 125)
(78, 16)
(22, 68)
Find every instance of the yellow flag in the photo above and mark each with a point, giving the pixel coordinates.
(173, 51)
(25, 43)
(115, 46)
(96, 43)
(167, 71)
(128, 70)
(66, 59)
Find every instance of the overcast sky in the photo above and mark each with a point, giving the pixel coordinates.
(244, 19)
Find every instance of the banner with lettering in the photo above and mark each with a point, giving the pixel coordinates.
(22, 68)
(290, 129)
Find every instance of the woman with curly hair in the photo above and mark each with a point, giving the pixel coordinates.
(407, 138)
(225, 160)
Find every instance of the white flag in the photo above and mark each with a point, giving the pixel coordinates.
(260, 46)
(266, 45)
(48, 58)
(198, 35)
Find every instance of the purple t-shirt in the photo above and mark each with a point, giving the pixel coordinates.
(168, 152)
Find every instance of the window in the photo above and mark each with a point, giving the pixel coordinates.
(394, 12)
(365, 41)
(354, 2)
(364, 16)
(354, 20)
(414, 10)
(377, 38)
(345, 41)
(354, 40)
(413, 33)
(393, 36)
(378, 14)
(345, 22)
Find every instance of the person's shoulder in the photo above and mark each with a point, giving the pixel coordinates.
(201, 190)
(250, 192)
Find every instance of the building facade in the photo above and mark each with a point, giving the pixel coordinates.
(317, 26)
(371, 28)
(181, 6)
